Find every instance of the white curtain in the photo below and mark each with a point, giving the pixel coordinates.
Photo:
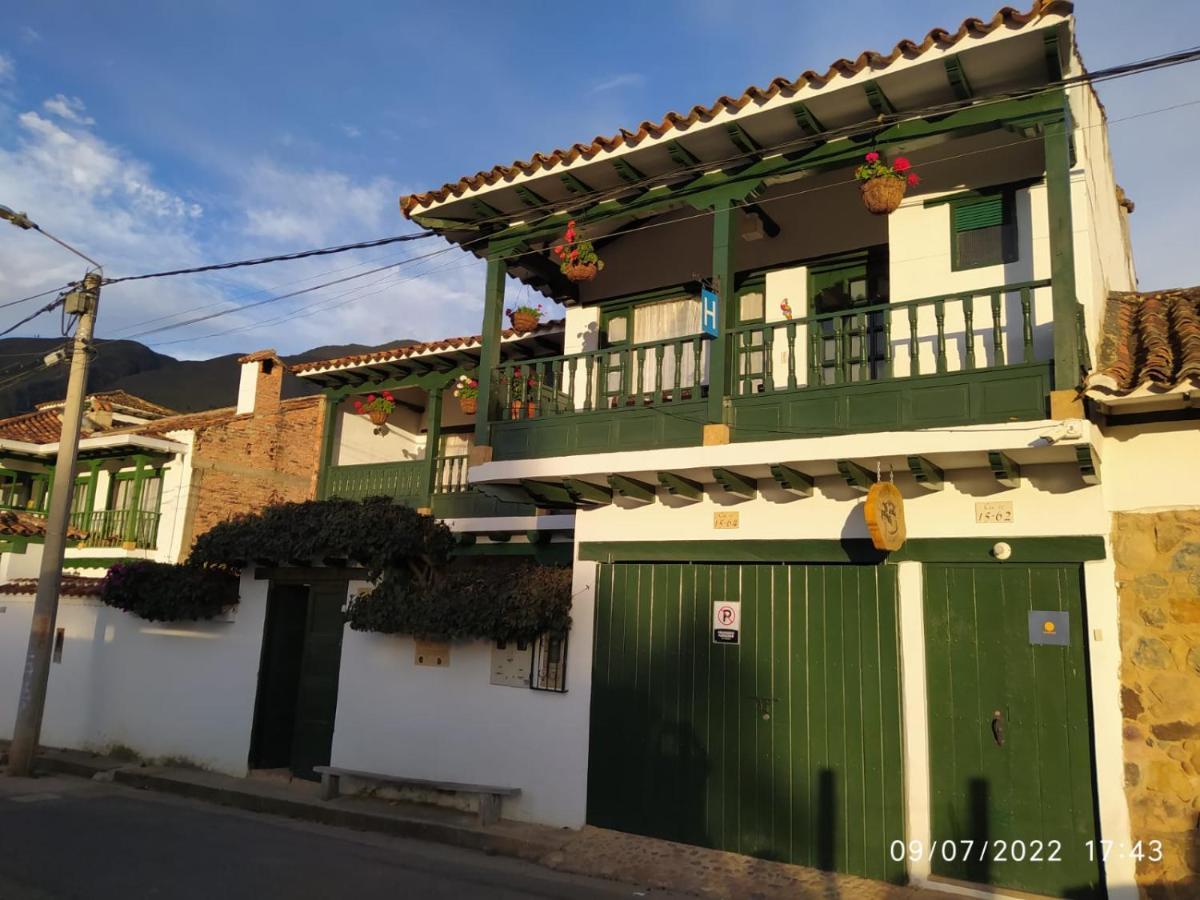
(659, 322)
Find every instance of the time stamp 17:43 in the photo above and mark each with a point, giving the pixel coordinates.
(1032, 851)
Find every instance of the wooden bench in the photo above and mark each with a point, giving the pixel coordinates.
(490, 795)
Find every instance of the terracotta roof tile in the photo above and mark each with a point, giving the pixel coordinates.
(72, 586)
(397, 353)
(207, 418)
(1006, 17)
(28, 524)
(108, 399)
(1149, 340)
(258, 356)
(41, 427)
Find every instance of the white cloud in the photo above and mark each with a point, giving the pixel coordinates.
(30, 35)
(7, 68)
(351, 132)
(69, 108)
(627, 79)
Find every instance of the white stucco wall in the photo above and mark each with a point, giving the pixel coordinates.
(357, 443)
(162, 689)
(395, 717)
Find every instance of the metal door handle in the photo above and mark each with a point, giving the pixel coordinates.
(998, 727)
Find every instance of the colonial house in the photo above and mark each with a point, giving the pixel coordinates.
(845, 588)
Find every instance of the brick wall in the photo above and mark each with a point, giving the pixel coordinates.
(1158, 574)
(252, 461)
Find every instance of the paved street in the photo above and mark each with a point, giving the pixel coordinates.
(66, 838)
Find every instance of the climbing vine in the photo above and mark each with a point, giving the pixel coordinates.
(166, 592)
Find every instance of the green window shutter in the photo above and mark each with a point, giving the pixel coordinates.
(985, 212)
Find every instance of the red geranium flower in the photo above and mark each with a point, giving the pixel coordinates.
(575, 254)
(901, 164)
(913, 179)
(370, 398)
(872, 157)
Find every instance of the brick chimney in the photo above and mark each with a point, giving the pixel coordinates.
(261, 383)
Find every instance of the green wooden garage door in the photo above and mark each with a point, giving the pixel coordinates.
(1009, 730)
(786, 746)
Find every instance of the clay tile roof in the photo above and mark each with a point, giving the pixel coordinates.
(26, 524)
(398, 353)
(1149, 340)
(206, 418)
(109, 399)
(72, 586)
(41, 427)
(44, 424)
(1006, 17)
(258, 356)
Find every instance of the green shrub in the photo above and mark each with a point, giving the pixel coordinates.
(165, 592)
(469, 603)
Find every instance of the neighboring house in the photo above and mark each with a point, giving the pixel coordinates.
(962, 687)
(149, 480)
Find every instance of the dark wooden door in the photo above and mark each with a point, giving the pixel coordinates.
(785, 746)
(279, 676)
(316, 696)
(1009, 730)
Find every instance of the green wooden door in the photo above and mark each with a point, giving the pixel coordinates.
(1009, 729)
(785, 746)
(316, 695)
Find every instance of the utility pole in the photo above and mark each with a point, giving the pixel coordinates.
(82, 302)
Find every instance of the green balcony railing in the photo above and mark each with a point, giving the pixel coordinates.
(403, 482)
(117, 527)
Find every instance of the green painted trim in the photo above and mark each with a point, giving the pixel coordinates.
(678, 486)
(736, 483)
(989, 190)
(95, 562)
(574, 185)
(1057, 142)
(878, 100)
(792, 480)
(553, 554)
(805, 120)
(632, 489)
(926, 474)
(724, 275)
(681, 155)
(957, 77)
(858, 477)
(489, 353)
(14, 545)
(433, 436)
(328, 436)
(1064, 549)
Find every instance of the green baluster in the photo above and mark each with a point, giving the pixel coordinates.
(1027, 324)
(768, 359)
(790, 333)
(864, 350)
(641, 375)
(659, 350)
(815, 354)
(839, 349)
(887, 343)
(589, 364)
(939, 312)
(914, 350)
(997, 334)
(968, 303)
(677, 381)
(572, 366)
(697, 365)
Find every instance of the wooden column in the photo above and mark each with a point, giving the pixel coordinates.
(1057, 141)
(489, 354)
(723, 273)
(328, 436)
(93, 482)
(433, 437)
(133, 513)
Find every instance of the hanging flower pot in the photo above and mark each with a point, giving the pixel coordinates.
(377, 408)
(881, 185)
(577, 257)
(581, 271)
(525, 318)
(515, 409)
(466, 389)
(530, 410)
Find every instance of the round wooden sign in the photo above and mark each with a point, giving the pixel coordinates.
(884, 513)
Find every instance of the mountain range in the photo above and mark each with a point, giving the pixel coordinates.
(185, 385)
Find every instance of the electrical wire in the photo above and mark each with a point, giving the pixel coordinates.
(29, 318)
(283, 257)
(57, 290)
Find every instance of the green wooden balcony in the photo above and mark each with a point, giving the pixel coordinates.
(965, 358)
(117, 528)
(405, 482)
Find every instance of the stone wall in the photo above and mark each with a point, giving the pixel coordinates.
(252, 461)
(1158, 572)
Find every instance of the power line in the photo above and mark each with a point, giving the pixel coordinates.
(29, 318)
(302, 254)
(35, 296)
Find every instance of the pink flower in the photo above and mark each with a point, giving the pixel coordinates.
(872, 157)
(913, 179)
(901, 164)
(370, 398)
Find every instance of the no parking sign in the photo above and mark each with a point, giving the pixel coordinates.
(727, 621)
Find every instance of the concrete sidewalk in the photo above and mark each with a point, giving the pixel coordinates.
(595, 852)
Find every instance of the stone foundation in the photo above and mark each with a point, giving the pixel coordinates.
(1158, 573)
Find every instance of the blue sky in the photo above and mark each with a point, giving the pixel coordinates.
(163, 135)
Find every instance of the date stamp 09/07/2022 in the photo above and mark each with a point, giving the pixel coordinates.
(1017, 851)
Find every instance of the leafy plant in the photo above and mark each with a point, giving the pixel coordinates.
(525, 309)
(875, 167)
(376, 533)
(468, 603)
(167, 592)
(576, 251)
(466, 387)
(521, 387)
(383, 402)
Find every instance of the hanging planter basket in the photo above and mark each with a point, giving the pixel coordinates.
(468, 405)
(378, 416)
(524, 322)
(580, 271)
(881, 196)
